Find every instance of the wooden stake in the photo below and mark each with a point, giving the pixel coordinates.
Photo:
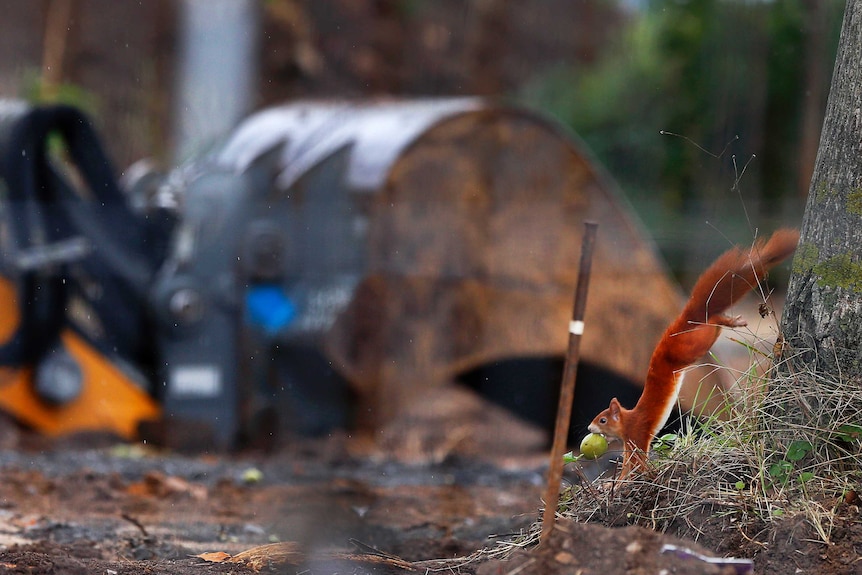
(567, 387)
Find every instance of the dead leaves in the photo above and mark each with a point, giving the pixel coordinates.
(277, 555)
(214, 556)
(159, 485)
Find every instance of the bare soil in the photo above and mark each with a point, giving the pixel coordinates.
(336, 505)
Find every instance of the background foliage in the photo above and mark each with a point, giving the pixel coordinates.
(740, 84)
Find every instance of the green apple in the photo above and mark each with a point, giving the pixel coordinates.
(594, 446)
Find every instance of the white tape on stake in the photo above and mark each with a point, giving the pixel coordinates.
(576, 327)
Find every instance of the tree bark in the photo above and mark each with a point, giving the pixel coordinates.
(822, 320)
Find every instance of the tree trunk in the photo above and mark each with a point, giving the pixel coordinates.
(822, 320)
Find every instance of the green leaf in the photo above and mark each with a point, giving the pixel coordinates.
(780, 471)
(805, 477)
(665, 442)
(849, 432)
(798, 450)
(570, 457)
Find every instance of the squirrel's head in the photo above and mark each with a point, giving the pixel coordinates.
(609, 422)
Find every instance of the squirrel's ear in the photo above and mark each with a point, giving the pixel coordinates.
(615, 408)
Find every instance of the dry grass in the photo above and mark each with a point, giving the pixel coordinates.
(790, 448)
(502, 549)
(788, 445)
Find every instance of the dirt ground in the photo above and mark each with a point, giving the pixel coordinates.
(69, 510)
(334, 505)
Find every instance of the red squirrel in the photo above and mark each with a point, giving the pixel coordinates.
(688, 338)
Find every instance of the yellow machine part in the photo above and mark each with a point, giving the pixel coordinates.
(10, 317)
(109, 401)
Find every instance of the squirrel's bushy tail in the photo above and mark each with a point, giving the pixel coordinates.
(735, 273)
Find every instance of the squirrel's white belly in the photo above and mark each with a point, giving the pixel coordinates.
(668, 408)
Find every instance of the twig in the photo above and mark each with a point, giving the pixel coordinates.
(134, 521)
(585, 481)
(567, 390)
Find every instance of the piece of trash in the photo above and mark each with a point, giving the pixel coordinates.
(740, 566)
(252, 475)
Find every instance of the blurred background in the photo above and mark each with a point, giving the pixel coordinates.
(304, 290)
(737, 86)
